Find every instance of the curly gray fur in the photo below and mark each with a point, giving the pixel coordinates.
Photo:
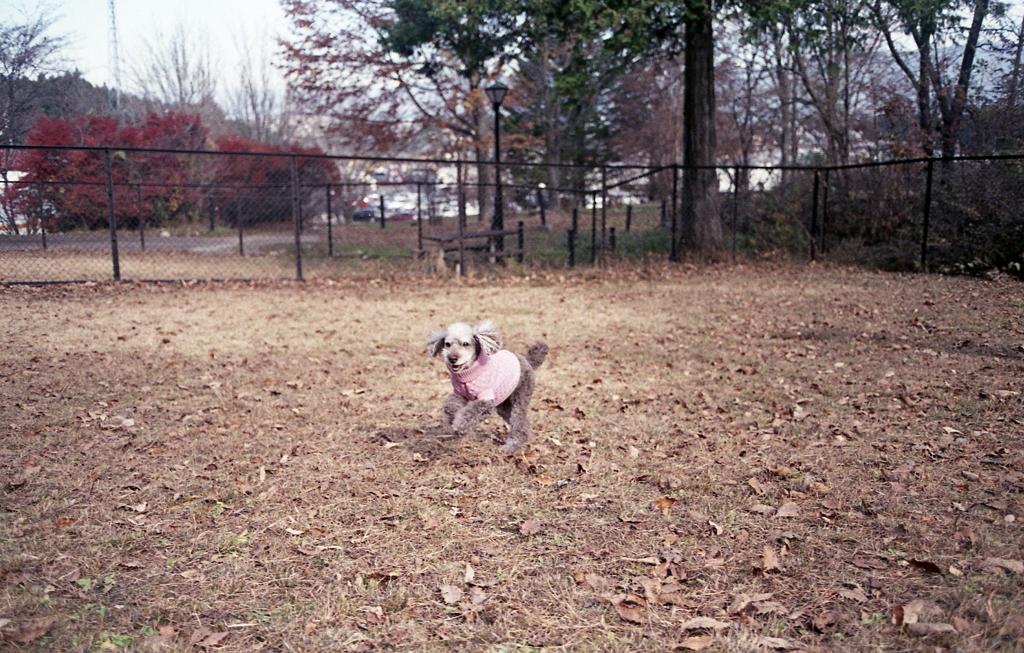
(461, 414)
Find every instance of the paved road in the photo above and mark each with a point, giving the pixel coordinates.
(131, 242)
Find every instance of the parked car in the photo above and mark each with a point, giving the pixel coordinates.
(366, 214)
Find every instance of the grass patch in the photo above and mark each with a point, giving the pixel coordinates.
(790, 451)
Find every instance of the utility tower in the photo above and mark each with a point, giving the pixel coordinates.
(114, 57)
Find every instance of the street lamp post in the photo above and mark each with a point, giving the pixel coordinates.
(496, 92)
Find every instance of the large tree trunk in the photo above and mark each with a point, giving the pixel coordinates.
(484, 171)
(552, 139)
(782, 87)
(1011, 95)
(924, 110)
(952, 108)
(700, 183)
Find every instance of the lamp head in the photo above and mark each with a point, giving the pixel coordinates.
(496, 92)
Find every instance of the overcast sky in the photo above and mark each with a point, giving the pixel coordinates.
(86, 24)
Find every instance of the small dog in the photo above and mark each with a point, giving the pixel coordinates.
(486, 377)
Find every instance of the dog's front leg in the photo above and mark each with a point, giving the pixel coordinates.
(452, 405)
(470, 414)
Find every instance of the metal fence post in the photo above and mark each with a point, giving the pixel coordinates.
(382, 223)
(572, 247)
(296, 219)
(673, 254)
(629, 217)
(111, 217)
(238, 219)
(142, 219)
(330, 229)
(814, 212)
(604, 209)
(419, 220)
(572, 236)
(593, 227)
(521, 243)
(735, 207)
(541, 203)
(927, 214)
(824, 212)
(461, 213)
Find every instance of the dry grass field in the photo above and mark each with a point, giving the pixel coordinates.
(730, 459)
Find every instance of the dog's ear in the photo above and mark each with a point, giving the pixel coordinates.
(436, 342)
(487, 335)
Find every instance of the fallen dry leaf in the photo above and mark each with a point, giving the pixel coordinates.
(374, 614)
(652, 590)
(696, 643)
(741, 601)
(1000, 564)
(23, 477)
(451, 594)
(530, 527)
(594, 581)
(167, 633)
(778, 643)
(769, 559)
(703, 623)
(867, 563)
(911, 612)
(967, 627)
(855, 594)
(897, 616)
(33, 630)
(205, 638)
(830, 618)
(925, 565)
(770, 607)
(925, 629)
(789, 509)
(664, 503)
(629, 613)
(477, 596)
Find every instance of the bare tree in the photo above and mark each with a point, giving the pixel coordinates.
(260, 102)
(926, 23)
(176, 71)
(27, 49)
(745, 86)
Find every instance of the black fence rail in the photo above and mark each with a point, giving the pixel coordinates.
(93, 214)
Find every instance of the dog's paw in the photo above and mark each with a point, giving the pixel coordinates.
(511, 446)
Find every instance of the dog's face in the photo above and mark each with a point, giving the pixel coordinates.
(460, 344)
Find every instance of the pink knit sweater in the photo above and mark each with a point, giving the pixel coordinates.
(490, 378)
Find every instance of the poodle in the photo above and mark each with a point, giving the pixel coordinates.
(486, 377)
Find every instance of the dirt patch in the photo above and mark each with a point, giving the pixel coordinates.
(738, 459)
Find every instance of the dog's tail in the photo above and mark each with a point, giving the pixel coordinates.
(536, 354)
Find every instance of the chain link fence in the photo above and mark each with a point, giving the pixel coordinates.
(95, 214)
